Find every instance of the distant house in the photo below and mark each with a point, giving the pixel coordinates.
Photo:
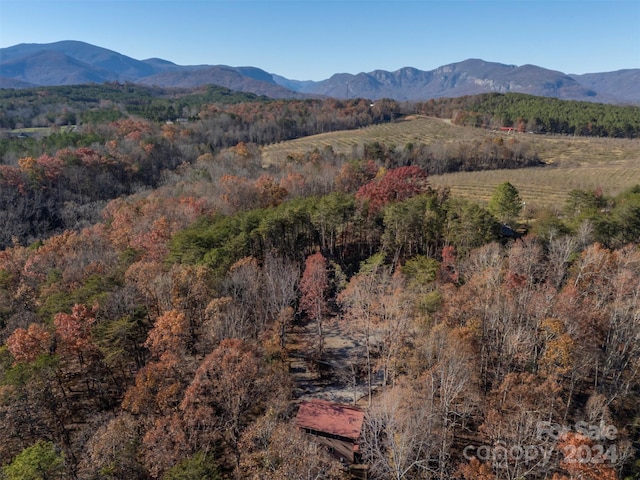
(334, 425)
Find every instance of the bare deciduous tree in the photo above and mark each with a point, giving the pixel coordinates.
(398, 438)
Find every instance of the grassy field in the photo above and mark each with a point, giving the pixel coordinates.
(413, 130)
(572, 162)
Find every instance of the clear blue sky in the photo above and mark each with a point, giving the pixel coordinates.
(311, 40)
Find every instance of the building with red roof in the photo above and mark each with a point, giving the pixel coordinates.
(334, 425)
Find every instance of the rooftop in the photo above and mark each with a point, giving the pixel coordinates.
(332, 418)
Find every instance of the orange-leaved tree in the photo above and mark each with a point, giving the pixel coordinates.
(585, 460)
(27, 344)
(314, 288)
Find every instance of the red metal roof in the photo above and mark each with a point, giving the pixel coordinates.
(332, 418)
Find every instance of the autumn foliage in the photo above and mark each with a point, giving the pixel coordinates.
(168, 294)
(393, 186)
(26, 344)
(583, 459)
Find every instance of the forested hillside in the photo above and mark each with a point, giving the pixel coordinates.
(58, 177)
(528, 113)
(159, 279)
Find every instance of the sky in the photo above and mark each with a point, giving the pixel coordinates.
(312, 40)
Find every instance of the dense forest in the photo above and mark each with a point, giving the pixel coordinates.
(528, 113)
(75, 104)
(158, 279)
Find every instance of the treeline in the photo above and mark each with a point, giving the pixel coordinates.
(90, 104)
(93, 103)
(282, 120)
(339, 224)
(528, 113)
(348, 227)
(438, 157)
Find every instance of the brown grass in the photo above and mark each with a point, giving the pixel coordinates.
(572, 162)
(412, 130)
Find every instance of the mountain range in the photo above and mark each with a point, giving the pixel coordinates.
(73, 62)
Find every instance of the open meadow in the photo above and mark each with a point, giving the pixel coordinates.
(571, 162)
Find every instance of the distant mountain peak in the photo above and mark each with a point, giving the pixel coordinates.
(73, 61)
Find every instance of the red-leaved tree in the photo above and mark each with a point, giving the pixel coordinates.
(393, 186)
(74, 330)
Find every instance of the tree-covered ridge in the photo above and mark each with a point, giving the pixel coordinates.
(67, 105)
(528, 113)
(90, 104)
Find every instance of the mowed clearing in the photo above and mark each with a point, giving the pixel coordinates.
(571, 162)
